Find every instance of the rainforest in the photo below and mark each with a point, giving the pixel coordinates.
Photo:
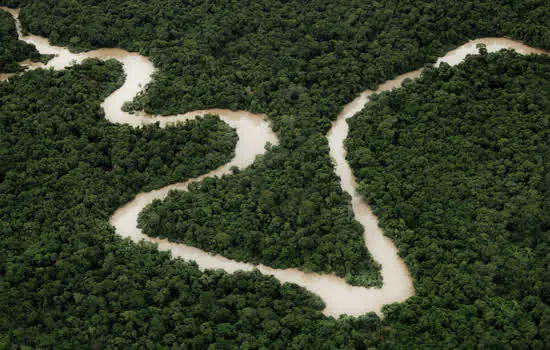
(274, 174)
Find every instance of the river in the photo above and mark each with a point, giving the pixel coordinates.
(254, 132)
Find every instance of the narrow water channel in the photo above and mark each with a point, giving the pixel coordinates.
(254, 132)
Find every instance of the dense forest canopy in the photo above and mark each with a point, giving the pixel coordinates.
(13, 51)
(68, 281)
(57, 146)
(297, 61)
(480, 261)
(456, 167)
(301, 175)
(294, 57)
(279, 212)
(475, 237)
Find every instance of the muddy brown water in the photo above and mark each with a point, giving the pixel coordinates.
(254, 132)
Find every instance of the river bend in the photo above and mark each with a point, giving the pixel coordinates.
(254, 132)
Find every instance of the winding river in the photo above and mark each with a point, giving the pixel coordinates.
(254, 132)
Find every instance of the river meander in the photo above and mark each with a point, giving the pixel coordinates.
(254, 132)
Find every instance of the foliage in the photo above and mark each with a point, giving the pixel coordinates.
(282, 57)
(68, 281)
(12, 50)
(481, 276)
(14, 3)
(287, 210)
(455, 166)
(299, 62)
(65, 274)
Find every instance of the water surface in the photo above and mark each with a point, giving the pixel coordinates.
(254, 133)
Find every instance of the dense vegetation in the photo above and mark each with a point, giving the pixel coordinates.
(287, 210)
(283, 57)
(298, 59)
(478, 250)
(328, 226)
(12, 50)
(457, 168)
(69, 282)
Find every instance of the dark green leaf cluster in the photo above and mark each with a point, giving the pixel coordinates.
(14, 3)
(456, 167)
(287, 58)
(69, 282)
(282, 57)
(287, 210)
(13, 51)
(302, 59)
